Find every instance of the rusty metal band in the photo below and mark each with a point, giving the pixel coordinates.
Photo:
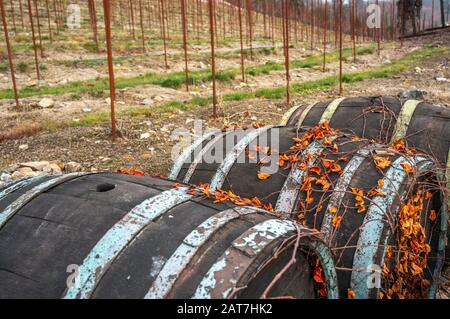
(11, 188)
(120, 236)
(288, 194)
(176, 168)
(285, 119)
(225, 167)
(340, 189)
(370, 237)
(183, 255)
(15, 206)
(404, 118)
(330, 110)
(198, 158)
(226, 272)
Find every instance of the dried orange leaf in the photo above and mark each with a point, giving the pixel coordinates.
(263, 176)
(382, 162)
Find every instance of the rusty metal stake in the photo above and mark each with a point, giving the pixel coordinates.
(285, 17)
(39, 27)
(8, 47)
(242, 42)
(132, 20)
(30, 13)
(325, 18)
(213, 58)
(48, 21)
(112, 91)
(341, 90)
(250, 27)
(13, 14)
(21, 14)
(163, 26)
(184, 25)
(141, 17)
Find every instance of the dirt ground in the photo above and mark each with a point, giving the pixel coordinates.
(91, 146)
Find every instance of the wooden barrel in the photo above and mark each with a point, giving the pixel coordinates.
(382, 118)
(358, 239)
(120, 236)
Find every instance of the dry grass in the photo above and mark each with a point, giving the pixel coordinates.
(18, 132)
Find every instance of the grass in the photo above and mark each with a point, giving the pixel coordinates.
(171, 80)
(384, 71)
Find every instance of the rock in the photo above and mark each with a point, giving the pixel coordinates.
(418, 70)
(201, 65)
(23, 147)
(108, 100)
(59, 163)
(23, 172)
(72, 167)
(145, 136)
(148, 102)
(86, 109)
(442, 79)
(52, 168)
(35, 166)
(386, 61)
(413, 94)
(63, 81)
(46, 103)
(5, 177)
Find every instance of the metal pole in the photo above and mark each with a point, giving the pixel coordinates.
(141, 17)
(184, 25)
(340, 48)
(30, 13)
(48, 21)
(8, 47)
(163, 25)
(242, 42)
(213, 58)
(112, 94)
(325, 35)
(39, 27)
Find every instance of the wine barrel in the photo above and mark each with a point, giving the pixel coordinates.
(382, 118)
(121, 236)
(360, 239)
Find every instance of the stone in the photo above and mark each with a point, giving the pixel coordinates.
(386, 61)
(72, 167)
(442, 79)
(86, 110)
(46, 103)
(23, 147)
(148, 102)
(35, 166)
(23, 172)
(413, 94)
(108, 100)
(5, 177)
(59, 163)
(145, 136)
(52, 168)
